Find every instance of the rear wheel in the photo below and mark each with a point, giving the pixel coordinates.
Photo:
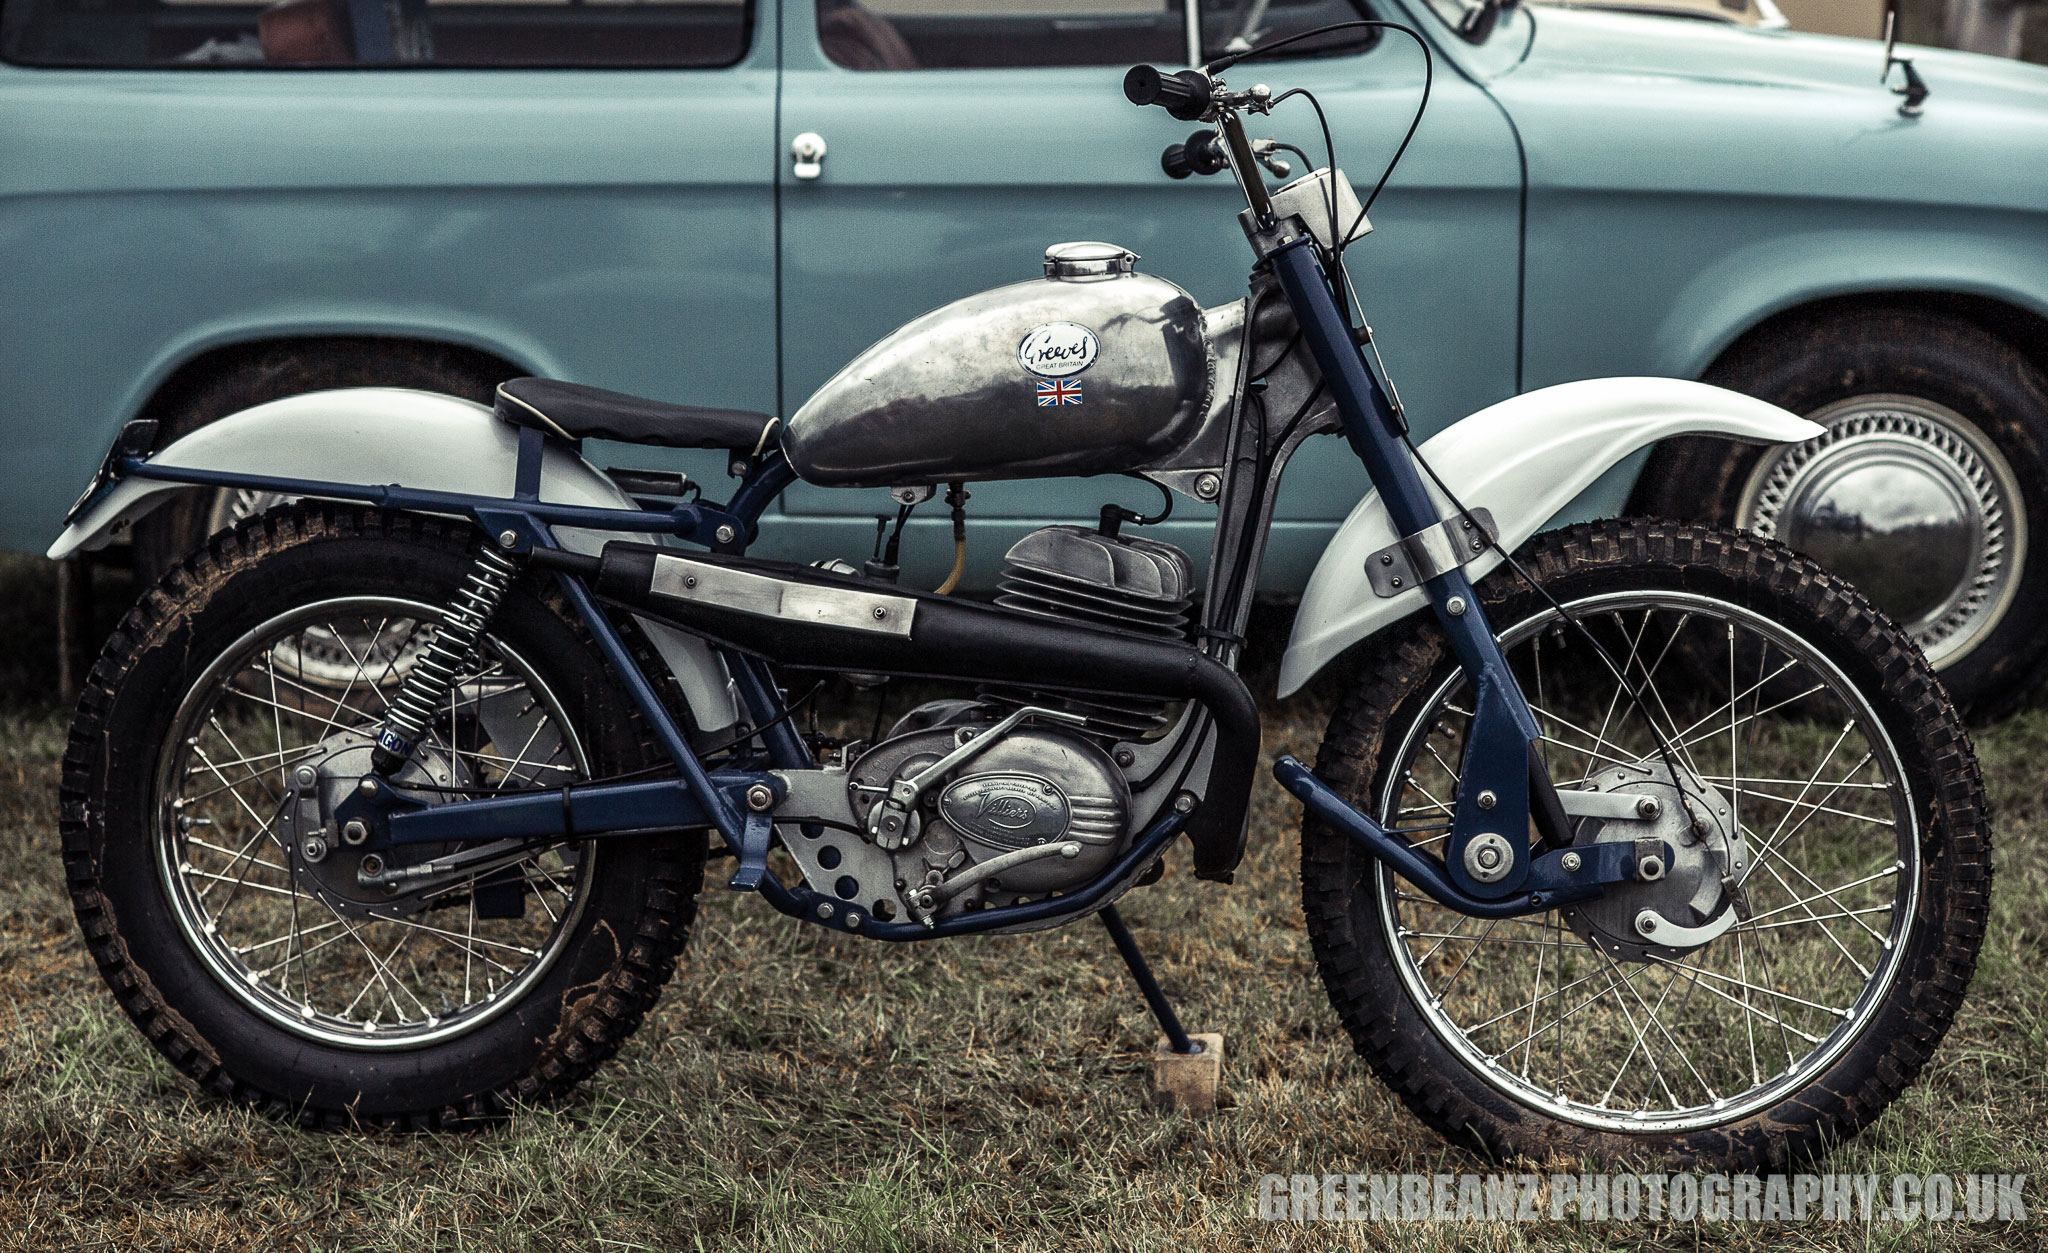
(247, 948)
(1797, 963)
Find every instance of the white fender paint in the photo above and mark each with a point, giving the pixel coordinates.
(420, 440)
(1524, 459)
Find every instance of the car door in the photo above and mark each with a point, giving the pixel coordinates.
(577, 189)
(962, 137)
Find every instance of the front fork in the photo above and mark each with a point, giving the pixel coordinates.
(1488, 869)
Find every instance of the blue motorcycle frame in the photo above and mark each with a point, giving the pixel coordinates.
(1504, 783)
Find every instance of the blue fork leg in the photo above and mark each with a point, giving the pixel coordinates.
(1497, 757)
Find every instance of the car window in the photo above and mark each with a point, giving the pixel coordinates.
(1236, 25)
(303, 33)
(969, 34)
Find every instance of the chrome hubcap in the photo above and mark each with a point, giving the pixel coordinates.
(1909, 501)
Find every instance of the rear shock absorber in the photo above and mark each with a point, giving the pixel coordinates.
(433, 674)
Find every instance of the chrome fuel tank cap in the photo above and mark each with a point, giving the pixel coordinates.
(1087, 261)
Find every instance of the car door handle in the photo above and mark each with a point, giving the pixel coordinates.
(807, 151)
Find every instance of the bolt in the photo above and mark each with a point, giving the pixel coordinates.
(367, 787)
(880, 613)
(1395, 581)
(508, 539)
(314, 848)
(824, 910)
(760, 798)
(1647, 808)
(1646, 924)
(1489, 858)
(354, 831)
(1478, 545)
(1386, 559)
(1124, 757)
(1570, 863)
(725, 534)
(1487, 800)
(1184, 803)
(372, 864)
(306, 776)
(852, 921)
(689, 580)
(1207, 485)
(1455, 606)
(1650, 868)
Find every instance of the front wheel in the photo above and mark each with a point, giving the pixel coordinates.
(1813, 939)
(253, 954)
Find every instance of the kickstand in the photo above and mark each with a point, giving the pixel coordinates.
(1162, 1009)
(1187, 1071)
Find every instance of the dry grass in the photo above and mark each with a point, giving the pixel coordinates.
(804, 1090)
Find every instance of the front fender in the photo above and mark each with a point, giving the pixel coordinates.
(1524, 459)
(422, 440)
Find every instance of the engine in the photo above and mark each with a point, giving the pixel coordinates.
(1018, 794)
(1112, 582)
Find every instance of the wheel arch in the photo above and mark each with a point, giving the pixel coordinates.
(181, 377)
(2019, 327)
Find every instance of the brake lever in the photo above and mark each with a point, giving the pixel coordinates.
(1268, 153)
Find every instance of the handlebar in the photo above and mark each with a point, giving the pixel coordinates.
(1190, 95)
(1201, 154)
(1183, 94)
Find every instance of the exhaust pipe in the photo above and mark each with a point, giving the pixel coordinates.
(810, 618)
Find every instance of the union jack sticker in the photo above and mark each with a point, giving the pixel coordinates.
(1058, 392)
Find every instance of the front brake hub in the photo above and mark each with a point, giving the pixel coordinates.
(1666, 911)
(331, 822)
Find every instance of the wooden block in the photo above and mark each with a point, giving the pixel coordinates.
(1188, 1081)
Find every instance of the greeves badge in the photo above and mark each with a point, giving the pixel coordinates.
(1057, 350)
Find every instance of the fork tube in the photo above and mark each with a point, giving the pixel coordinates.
(1374, 432)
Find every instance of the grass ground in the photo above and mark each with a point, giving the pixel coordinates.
(801, 1090)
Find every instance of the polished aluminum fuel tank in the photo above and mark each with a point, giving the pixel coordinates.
(1092, 369)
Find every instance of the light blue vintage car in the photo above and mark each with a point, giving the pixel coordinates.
(205, 205)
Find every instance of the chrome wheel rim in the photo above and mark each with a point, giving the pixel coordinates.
(1911, 502)
(1643, 1046)
(248, 906)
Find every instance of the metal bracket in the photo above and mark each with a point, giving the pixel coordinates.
(741, 591)
(1418, 558)
(753, 853)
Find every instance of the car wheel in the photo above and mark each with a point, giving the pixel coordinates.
(1922, 492)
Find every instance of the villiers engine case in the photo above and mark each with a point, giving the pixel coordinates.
(1093, 369)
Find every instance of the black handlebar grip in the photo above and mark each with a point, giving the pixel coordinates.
(1184, 95)
(1201, 154)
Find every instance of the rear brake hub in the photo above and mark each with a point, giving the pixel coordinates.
(331, 822)
(1668, 911)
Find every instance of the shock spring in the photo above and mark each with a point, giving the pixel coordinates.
(433, 674)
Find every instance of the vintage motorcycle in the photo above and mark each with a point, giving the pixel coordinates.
(1633, 839)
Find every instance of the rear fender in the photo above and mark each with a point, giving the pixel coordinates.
(421, 440)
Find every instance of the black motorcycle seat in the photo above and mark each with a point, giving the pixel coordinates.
(572, 411)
